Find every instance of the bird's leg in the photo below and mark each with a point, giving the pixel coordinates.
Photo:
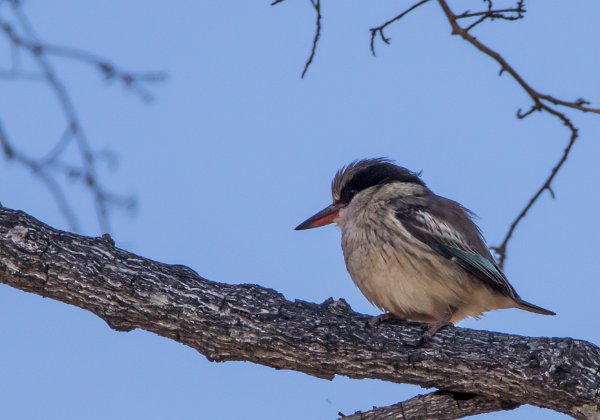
(388, 316)
(445, 321)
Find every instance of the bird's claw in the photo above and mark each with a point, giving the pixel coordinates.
(433, 330)
(376, 320)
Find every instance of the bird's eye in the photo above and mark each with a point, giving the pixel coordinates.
(349, 194)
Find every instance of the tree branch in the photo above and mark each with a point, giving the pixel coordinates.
(541, 102)
(546, 186)
(316, 5)
(510, 14)
(248, 322)
(439, 405)
(537, 97)
(378, 30)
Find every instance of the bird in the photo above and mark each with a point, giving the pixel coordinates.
(415, 255)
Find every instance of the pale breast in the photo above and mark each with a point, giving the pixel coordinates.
(399, 274)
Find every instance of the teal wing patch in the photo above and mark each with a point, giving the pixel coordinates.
(449, 231)
(478, 266)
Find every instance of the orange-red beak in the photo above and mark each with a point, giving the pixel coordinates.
(322, 218)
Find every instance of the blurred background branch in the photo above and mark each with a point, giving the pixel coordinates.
(53, 168)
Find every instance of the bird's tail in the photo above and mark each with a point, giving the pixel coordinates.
(522, 304)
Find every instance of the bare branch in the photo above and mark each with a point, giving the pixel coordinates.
(317, 6)
(509, 14)
(497, 14)
(439, 405)
(546, 186)
(378, 30)
(23, 39)
(40, 171)
(541, 102)
(538, 98)
(133, 81)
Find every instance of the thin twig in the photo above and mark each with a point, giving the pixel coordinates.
(510, 14)
(317, 6)
(536, 96)
(546, 186)
(379, 29)
(497, 14)
(39, 170)
(134, 81)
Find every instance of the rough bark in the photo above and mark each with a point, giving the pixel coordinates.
(248, 322)
(439, 405)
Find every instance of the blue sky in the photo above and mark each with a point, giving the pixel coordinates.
(236, 150)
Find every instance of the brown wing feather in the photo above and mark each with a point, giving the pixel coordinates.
(448, 228)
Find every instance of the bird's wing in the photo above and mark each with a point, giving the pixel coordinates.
(449, 230)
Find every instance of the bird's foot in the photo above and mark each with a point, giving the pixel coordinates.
(434, 328)
(376, 320)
